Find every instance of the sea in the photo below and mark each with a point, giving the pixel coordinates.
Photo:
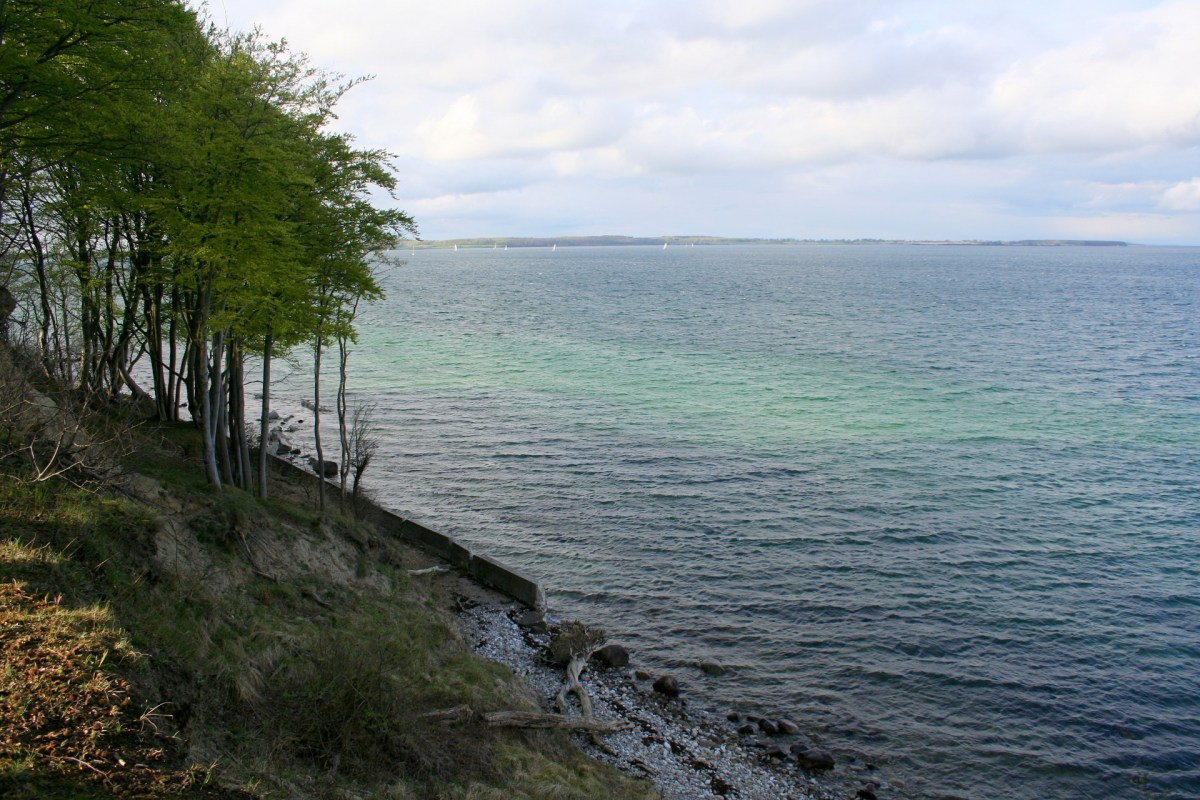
(939, 505)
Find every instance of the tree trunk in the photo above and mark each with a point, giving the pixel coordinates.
(206, 414)
(264, 417)
(221, 408)
(317, 421)
(343, 437)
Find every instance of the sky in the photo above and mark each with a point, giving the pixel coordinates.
(820, 119)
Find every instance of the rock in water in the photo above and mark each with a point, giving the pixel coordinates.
(787, 727)
(667, 685)
(326, 468)
(612, 655)
(710, 667)
(813, 758)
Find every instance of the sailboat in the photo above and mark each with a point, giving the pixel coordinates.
(555, 247)
(664, 245)
(456, 248)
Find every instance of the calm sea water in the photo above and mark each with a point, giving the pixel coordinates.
(939, 504)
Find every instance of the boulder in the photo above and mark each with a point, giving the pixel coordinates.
(667, 685)
(747, 729)
(326, 468)
(733, 716)
(612, 655)
(710, 667)
(812, 758)
(776, 752)
(272, 415)
(787, 727)
(534, 621)
(642, 675)
(768, 727)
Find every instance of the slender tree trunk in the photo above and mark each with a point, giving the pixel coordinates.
(237, 399)
(152, 316)
(343, 436)
(199, 385)
(206, 413)
(317, 421)
(175, 379)
(45, 338)
(264, 417)
(221, 408)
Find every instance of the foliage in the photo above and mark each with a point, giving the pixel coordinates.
(170, 196)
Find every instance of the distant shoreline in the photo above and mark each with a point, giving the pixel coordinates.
(691, 241)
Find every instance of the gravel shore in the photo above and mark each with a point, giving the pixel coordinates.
(688, 755)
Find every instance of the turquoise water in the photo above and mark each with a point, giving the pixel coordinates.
(941, 505)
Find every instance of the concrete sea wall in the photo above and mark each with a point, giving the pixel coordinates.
(482, 568)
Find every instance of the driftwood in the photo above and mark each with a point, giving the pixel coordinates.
(523, 719)
(572, 685)
(573, 647)
(429, 570)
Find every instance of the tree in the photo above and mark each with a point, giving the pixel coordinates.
(169, 190)
(344, 234)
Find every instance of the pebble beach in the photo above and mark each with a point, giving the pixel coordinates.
(687, 753)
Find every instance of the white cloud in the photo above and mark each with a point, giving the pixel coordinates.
(575, 104)
(1183, 196)
(1135, 84)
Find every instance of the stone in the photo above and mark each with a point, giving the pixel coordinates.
(534, 621)
(272, 415)
(668, 685)
(710, 667)
(733, 716)
(612, 655)
(642, 675)
(768, 727)
(326, 468)
(748, 729)
(812, 758)
(776, 752)
(787, 727)
(868, 792)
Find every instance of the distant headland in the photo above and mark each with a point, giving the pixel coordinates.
(692, 241)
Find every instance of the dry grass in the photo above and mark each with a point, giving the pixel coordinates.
(290, 688)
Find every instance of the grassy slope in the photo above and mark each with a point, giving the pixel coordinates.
(242, 663)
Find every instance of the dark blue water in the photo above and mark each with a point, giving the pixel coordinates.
(940, 505)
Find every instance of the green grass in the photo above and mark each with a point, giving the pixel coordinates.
(296, 688)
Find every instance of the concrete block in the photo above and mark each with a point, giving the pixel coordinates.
(492, 573)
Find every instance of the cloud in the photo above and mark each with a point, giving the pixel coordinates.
(513, 121)
(1130, 86)
(1078, 109)
(1183, 196)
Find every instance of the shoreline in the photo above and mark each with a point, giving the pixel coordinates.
(688, 753)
